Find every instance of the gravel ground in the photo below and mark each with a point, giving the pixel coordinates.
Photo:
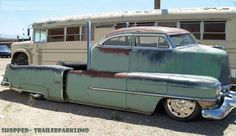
(21, 111)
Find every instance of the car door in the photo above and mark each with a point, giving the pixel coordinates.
(151, 54)
(109, 64)
(112, 55)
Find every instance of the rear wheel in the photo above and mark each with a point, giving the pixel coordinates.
(20, 59)
(182, 110)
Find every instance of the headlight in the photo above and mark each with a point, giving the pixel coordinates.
(218, 90)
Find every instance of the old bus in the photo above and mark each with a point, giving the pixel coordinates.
(64, 39)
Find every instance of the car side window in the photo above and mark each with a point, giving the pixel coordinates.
(118, 41)
(151, 41)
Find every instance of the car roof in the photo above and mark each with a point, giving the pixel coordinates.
(148, 29)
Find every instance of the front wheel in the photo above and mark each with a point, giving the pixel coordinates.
(182, 110)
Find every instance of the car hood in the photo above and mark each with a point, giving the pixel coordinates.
(203, 60)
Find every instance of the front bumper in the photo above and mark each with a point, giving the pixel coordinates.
(5, 82)
(221, 111)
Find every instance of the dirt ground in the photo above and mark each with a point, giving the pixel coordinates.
(21, 111)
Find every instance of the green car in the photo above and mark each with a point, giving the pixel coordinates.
(134, 69)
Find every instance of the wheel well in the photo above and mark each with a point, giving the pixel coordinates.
(160, 106)
(17, 54)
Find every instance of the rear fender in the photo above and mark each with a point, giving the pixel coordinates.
(46, 80)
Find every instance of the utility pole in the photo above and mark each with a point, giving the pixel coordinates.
(157, 4)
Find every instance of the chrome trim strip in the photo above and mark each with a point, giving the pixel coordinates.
(88, 37)
(113, 36)
(153, 35)
(116, 47)
(152, 94)
(62, 85)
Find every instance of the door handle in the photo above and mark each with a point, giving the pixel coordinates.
(57, 82)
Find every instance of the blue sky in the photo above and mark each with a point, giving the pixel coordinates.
(18, 14)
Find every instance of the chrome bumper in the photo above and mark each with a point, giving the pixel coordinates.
(5, 82)
(223, 110)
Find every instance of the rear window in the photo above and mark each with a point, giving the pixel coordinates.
(118, 41)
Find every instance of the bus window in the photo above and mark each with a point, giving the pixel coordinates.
(84, 38)
(214, 30)
(120, 25)
(124, 25)
(192, 26)
(167, 24)
(55, 34)
(37, 36)
(40, 35)
(73, 34)
(145, 24)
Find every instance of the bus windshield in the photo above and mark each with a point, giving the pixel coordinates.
(183, 39)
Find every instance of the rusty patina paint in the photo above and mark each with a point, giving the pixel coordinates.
(45, 80)
(203, 60)
(128, 79)
(56, 69)
(114, 50)
(99, 74)
(109, 59)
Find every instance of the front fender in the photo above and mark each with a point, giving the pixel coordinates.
(145, 90)
(174, 85)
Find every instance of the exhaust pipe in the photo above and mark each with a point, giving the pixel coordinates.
(88, 44)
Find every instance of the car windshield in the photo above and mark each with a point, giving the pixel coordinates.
(183, 39)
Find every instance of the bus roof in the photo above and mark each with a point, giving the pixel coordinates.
(149, 29)
(143, 15)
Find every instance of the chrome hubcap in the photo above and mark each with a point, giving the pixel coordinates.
(181, 108)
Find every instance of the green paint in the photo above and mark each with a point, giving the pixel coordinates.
(43, 81)
(103, 61)
(152, 75)
(78, 89)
